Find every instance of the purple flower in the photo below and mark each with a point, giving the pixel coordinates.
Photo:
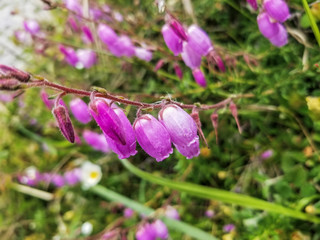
(122, 47)
(277, 9)
(87, 57)
(72, 177)
(199, 77)
(31, 26)
(281, 38)
(146, 232)
(266, 27)
(31, 176)
(199, 40)
(171, 212)
(143, 54)
(191, 58)
(229, 227)
(118, 16)
(87, 35)
(253, 4)
(209, 213)
(178, 70)
(64, 122)
(107, 120)
(73, 24)
(128, 213)
(107, 34)
(96, 14)
(57, 180)
(129, 149)
(152, 137)
(173, 42)
(69, 55)
(45, 98)
(182, 130)
(266, 154)
(96, 141)
(80, 110)
(160, 229)
(74, 5)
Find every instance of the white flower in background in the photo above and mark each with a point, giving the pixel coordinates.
(90, 174)
(86, 228)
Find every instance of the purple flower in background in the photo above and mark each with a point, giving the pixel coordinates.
(72, 177)
(87, 35)
(23, 37)
(277, 9)
(173, 42)
(30, 176)
(73, 24)
(152, 137)
(86, 57)
(146, 232)
(266, 154)
(199, 40)
(143, 54)
(128, 149)
(96, 14)
(96, 141)
(107, 34)
(118, 16)
(74, 5)
(45, 98)
(209, 213)
(128, 213)
(266, 26)
(31, 26)
(80, 110)
(6, 97)
(122, 47)
(199, 77)
(281, 38)
(182, 130)
(253, 4)
(57, 180)
(107, 120)
(160, 229)
(228, 228)
(69, 55)
(171, 212)
(191, 58)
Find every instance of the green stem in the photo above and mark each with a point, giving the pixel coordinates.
(313, 23)
(221, 195)
(171, 223)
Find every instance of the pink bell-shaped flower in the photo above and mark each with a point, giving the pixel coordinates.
(69, 55)
(143, 54)
(173, 42)
(96, 141)
(86, 57)
(182, 130)
(199, 77)
(146, 232)
(277, 9)
(281, 38)
(266, 27)
(107, 120)
(80, 110)
(190, 57)
(107, 34)
(253, 4)
(152, 137)
(160, 229)
(199, 40)
(129, 149)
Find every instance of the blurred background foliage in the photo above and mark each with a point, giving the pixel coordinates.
(271, 89)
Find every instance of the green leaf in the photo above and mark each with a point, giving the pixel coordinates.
(171, 223)
(220, 195)
(313, 23)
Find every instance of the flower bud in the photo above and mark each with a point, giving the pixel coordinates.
(266, 27)
(143, 54)
(107, 34)
(70, 55)
(86, 57)
(80, 110)
(73, 24)
(277, 9)
(281, 38)
(10, 72)
(214, 58)
(178, 29)
(129, 149)
(173, 42)
(45, 98)
(96, 141)
(159, 65)
(64, 122)
(107, 120)
(152, 137)
(31, 26)
(196, 118)
(234, 112)
(214, 120)
(191, 58)
(9, 84)
(199, 77)
(87, 36)
(182, 130)
(253, 4)
(199, 40)
(178, 70)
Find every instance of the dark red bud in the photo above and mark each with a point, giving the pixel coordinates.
(10, 72)
(234, 112)
(64, 122)
(214, 59)
(214, 120)
(196, 119)
(9, 84)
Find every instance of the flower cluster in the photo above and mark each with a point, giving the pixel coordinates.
(88, 174)
(192, 44)
(270, 19)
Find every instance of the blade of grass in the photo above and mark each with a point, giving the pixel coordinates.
(313, 23)
(171, 223)
(220, 195)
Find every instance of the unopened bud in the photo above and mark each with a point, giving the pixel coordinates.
(214, 120)
(214, 58)
(234, 112)
(9, 84)
(196, 119)
(178, 29)
(64, 122)
(10, 72)
(159, 65)
(178, 70)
